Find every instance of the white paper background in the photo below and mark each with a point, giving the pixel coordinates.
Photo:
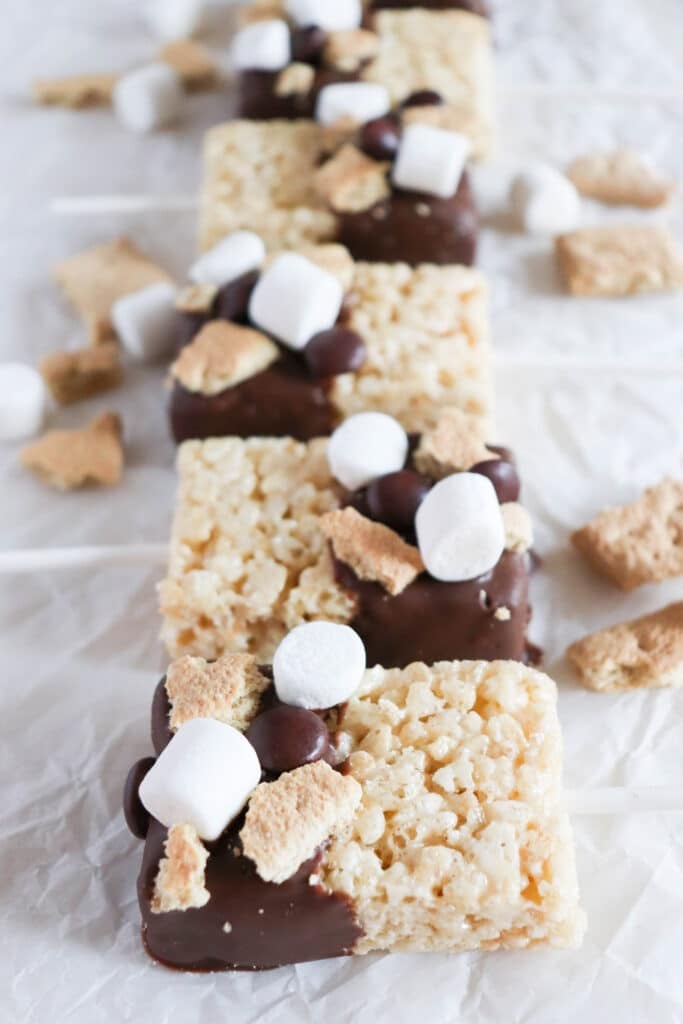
(590, 396)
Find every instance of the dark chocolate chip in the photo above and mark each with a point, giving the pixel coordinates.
(188, 327)
(504, 477)
(380, 138)
(232, 301)
(285, 738)
(137, 816)
(423, 98)
(338, 350)
(308, 44)
(395, 498)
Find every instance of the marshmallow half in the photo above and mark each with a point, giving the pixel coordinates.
(23, 401)
(234, 255)
(331, 15)
(544, 201)
(366, 446)
(263, 46)
(151, 97)
(145, 322)
(295, 299)
(318, 665)
(430, 160)
(361, 101)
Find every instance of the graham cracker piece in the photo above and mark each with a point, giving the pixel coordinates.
(228, 689)
(192, 62)
(519, 534)
(75, 91)
(349, 50)
(372, 550)
(641, 654)
(95, 279)
(620, 260)
(638, 543)
(222, 355)
(295, 79)
(621, 177)
(68, 459)
(455, 442)
(196, 298)
(351, 181)
(180, 881)
(73, 376)
(287, 820)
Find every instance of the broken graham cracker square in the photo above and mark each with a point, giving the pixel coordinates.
(642, 654)
(221, 355)
(73, 376)
(372, 550)
(621, 177)
(351, 181)
(75, 91)
(638, 543)
(620, 260)
(192, 62)
(455, 442)
(228, 690)
(179, 884)
(68, 459)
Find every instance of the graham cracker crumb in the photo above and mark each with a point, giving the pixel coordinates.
(228, 690)
(75, 91)
(196, 298)
(349, 50)
(455, 442)
(295, 79)
(644, 653)
(222, 355)
(287, 820)
(192, 62)
(638, 543)
(351, 181)
(68, 459)
(72, 376)
(621, 260)
(180, 881)
(622, 178)
(372, 550)
(519, 534)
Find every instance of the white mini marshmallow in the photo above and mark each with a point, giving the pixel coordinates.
(459, 528)
(295, 299)
(149, 98)
(175, 19)
(23, 400)
(366, 446)
(430, 160)
(203, 777)
(234, 255)
(263, 46)
(318, 665)
(544, 201)
(332, 15)
(361, 101)
(145, 322)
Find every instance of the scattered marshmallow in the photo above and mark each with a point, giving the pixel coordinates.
(263, 46)
(365, 446)
(544, 201)
(331, 15)
(430, 160)
(318, 665)
(202, 778)
(234, 255)
(175, 19)
(295, 299)
(149, 98)
(23, 400)
(459, 528)
(361, 101)
(145, 322)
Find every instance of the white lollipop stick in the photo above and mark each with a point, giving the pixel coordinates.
(40, 559)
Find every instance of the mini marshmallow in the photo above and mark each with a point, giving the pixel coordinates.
(331, 15)
(318, 665)
(263, 46)
(544, 201)
(23, 400)
(362, 101)
(234, 255)
(175, 19)
(202, 778)
(295, 299)
(149, 98)
(459, 528)
(365, 446)
(430, 160)
(145, 322)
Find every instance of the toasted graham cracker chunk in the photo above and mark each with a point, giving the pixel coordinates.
(372, 550)
(620, 260)
(68, 459)
(621, 177)
(348, 50)
(72, 376)
(519, 535)
(644, 653)
(351, 181)
(192, 62)
(93, 280)
(287, 820)
(455, 442)
(228, 689)
(638, 543)
(75, 91)
(196, 298)
(179, 884)
(221, 355)
(295, 79)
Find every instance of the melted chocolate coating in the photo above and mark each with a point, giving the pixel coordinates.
(258, 101)
(135, 813)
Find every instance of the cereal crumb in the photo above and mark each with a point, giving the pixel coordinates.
(228, 689)
(372, 550)
(350, 181)
(519, 534)
(68, 459)
(455, 442)
(227, 927)
(621, 177)
(502, 614)
(222, 355)
(180, 881)
(75, 91)
(72, 376)
(620, 260)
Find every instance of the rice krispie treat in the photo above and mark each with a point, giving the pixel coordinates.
(425, 813)
(419, 543)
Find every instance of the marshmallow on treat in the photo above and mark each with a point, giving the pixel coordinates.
(366, 446)
(430, 160)
(361, 101)
(263, 46)
(23, 399)
(202, 778)
(149, 98)
(145, 322)
(295, 299)
(318, 665)
(234, 255)
(459, 528)
(175, 19)
(331, 15)
(544, 201)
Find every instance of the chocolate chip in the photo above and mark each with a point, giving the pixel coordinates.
(503, 475)
(338, 350)
(308, 44)
(232, 301)
(380, 138)
(188, 326)
(285, 738)
(137, 816)
(423, 98)
(395, 498)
